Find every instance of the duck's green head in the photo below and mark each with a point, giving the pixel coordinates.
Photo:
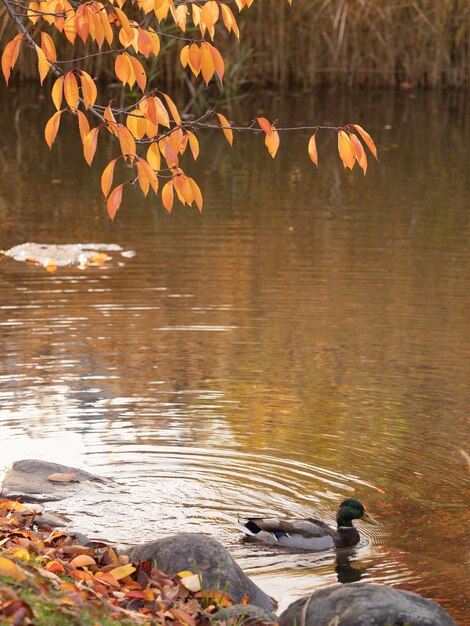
(352, 509)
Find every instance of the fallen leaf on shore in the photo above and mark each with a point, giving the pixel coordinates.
(62, 478)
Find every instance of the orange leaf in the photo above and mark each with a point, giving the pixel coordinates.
(193, 144)
(367, 139)
(55, 567)
(62, 477)
(83, 125)
(153, 156)
(195, 58)
(89, 91)
(265, 125)
(82, 560)
(207, 63)
(227, 131)
(71, 90)
(184, 55)
(108, 31)
(89, 145)
(139, 72)
(43, 64)
(162, 114)
(52, 128)
(167, 196)
(272, 142)
(143, 179)
(346, 150)
(360, 152)
(173, 110)
(81, 22)
(218, 62)
(152, 177)
(10, 56)
(229, 20)
(48, 46)
(107, 177)
(124, 22)
(57, 91)
(126, 140)
(123, 67)
(312, 150)
(114, 201)
(196, 193)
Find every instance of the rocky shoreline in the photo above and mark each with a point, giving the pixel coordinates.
(358, 604)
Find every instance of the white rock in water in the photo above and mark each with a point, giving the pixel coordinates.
(62, 254)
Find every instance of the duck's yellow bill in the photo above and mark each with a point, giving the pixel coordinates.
(368, 518)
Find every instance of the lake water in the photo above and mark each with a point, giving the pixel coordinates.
(307, 339)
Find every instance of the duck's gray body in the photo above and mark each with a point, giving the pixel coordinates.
(304, 534)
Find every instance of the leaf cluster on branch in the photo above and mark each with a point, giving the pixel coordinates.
(153, 136)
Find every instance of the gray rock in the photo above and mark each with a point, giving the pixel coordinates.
(28, 480)
(363, 604)
(217, 568)
(244, 615)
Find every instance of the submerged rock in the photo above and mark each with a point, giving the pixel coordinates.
(364, 604)
(28, 480)
(217, 568)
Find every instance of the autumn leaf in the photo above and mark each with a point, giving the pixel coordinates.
(312, 150)
(265, 125)
(139, 72)
(123, 68)
(367, 139)
(10, 569)
(52, 128)
(57, 91)
(218, 62)
(114, 201)
(43, 64)
(196, 194)
(89, 91)
(107, 177)
(346, 149)
(207, 63)
(167, 196)
(272, 142)
(10, 56)
(126, 141)
(89, 145)
(122, 572)
(153, 156)
(83, 125)
(48, 47)
(71, 90)
(124, 22)
(360, 152)
(173, 110)
(64, 477)
(227, 131)
(82, 560)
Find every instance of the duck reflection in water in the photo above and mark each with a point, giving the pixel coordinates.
(345, 572)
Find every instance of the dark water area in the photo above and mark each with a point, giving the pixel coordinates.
(305, 340)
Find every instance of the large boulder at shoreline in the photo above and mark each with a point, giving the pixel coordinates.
(244, 615)
(364, 604)
(218, 570)
(28, 480)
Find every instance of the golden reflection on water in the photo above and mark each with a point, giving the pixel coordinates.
(306, 340)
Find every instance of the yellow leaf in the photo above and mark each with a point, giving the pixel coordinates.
(312, 150)
(229, 20)
(10, 56)
(20, 553)
(43, 64)
(346, 150)
(10, 569)
(162, 114)
(122, 571)
(167, 196)
(71, 90)
(108, 31)
(367, 139)
(195, 58)
(184, 55)
(114, 201)
(57, 91)
(197, 194)
(218, 62)
(149, 172)
(107, 177)
(226, 128)
(52, 128)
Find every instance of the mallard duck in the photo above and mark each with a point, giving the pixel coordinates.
(309, 533)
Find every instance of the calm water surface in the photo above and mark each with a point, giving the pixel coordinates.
(305, 340)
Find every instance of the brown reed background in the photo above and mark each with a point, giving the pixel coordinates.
(423, 43)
